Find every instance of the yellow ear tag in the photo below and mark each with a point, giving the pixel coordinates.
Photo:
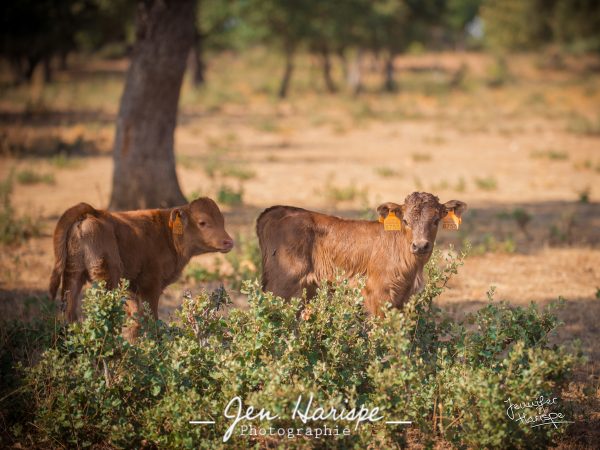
(451, 221)
(177, 226)
(392, 223)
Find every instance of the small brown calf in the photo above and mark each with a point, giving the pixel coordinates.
(301, 248)
(149, 248)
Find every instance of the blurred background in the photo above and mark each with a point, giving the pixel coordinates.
(332, 106)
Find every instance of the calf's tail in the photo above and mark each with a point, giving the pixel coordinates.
(61, 235)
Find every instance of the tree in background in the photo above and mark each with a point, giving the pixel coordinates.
(34, 32)
(216, 22)
(338, 29)
(457, 17)
(513, 24)
(144, 163)
(517, 25)
(281, 24)
(393, 25)
(575, 24)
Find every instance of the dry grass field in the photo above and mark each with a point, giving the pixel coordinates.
(521, 148)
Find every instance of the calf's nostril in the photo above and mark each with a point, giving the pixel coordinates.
(228, 242)
(419, 247)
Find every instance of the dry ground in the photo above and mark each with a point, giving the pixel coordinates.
(528, 141)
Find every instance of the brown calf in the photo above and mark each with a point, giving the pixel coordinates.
(149, 248)
(301, 248)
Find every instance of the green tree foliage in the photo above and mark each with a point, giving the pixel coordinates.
(513, 24)
(36, 31)
(458, 15)
(93, 388)
(526, 24)
(576, 24)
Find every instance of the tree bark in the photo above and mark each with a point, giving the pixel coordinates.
(329, 83)
(198, 65)
(63, 62)
(31, 64)
(287, 74)
(144, 162)
(47, 63)
(355, 73)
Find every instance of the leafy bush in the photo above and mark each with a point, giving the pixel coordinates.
(229, 196)
(487, 183)
(93, 388)
(28, 177)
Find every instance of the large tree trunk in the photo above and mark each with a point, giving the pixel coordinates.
(287, 74)
(144, 163)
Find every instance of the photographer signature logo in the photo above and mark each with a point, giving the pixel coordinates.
(305, 414)
(535, 413)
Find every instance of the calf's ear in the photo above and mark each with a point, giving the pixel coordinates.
(385, 208)
(177, 220)
(456, 206)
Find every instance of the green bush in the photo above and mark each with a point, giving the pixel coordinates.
(29, 176)
(94, 388)
(229, 196)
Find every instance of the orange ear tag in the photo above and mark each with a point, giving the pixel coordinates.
(177, 226)
(451, 221)
(392, 223)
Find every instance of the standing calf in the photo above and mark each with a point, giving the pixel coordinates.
(301, 248)
(149, 248)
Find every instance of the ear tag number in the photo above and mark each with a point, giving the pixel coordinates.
(451, 221)
(177, 225)
(392, 223)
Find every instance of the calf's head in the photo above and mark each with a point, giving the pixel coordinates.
(199, 227)
(421, 215)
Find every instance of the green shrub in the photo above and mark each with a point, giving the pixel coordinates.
(550, 154)
(28, 176)
(578, 124)
(93, 388)
(62, 160)
(420, 157)
(230, 196)
(387, 172)
(490, 244)
(336, 194)
(487, 184)
(238, 172)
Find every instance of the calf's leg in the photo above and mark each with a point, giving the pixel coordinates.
(151, 294)
(72, 283)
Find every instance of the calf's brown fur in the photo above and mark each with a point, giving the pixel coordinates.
(149, 248)
(301, 248)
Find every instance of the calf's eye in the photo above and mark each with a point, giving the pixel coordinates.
(202, 223)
